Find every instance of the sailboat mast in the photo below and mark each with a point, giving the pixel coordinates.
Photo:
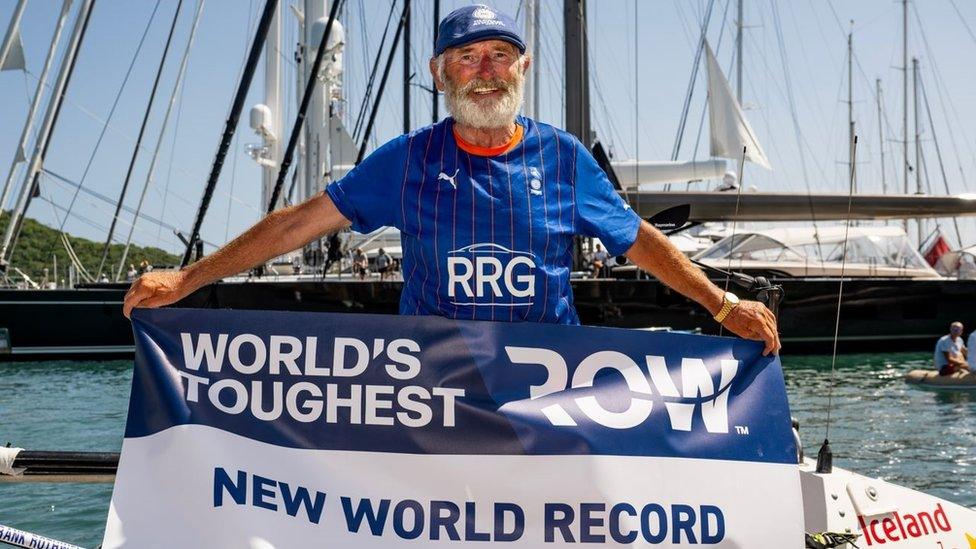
(738, 54)
(434, 102)
(35, 103)
(904, 109)
(44, 134)
(230, 125)
(406, 72)
(536, 64)
(904, 85)
(884, 182)
(530, 84)
(273, 101)
(850, 106)
(577, 72)
(918, 144)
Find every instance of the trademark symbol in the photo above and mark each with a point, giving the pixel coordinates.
(741, 430)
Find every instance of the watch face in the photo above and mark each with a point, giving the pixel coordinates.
(732, 298)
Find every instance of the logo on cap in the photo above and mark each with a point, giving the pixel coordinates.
(483, 13)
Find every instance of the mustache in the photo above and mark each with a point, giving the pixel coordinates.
(485, 83)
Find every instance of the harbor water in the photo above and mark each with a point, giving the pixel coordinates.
(879, 427)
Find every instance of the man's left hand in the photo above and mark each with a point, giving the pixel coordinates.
(752, 320)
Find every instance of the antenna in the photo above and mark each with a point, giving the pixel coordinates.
(735, 216)
(825, 456)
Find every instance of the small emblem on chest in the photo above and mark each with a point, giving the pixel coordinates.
(449, 178)
(535, 183)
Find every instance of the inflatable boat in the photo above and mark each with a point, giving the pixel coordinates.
(932, 380)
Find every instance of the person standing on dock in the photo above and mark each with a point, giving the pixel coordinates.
(950, 352)
(487, 202)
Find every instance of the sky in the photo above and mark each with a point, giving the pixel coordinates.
(641, 55)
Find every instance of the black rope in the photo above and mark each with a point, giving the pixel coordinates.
(296, 130)
(142, 132)
(386, 74)
(231, 125)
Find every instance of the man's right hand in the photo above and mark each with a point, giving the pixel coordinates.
(156, 289)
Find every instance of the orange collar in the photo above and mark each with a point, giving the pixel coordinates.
(490, 151)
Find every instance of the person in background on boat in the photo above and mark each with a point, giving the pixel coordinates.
(488, 204)
(131, 274)
(384, 264)
(950, 352)
(360, 263)
(599, 261)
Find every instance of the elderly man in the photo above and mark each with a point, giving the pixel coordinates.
(487, 202)
(950, 352)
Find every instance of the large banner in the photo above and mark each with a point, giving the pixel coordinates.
(269, 429)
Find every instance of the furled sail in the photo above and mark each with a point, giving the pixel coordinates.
(729, 128)
(14, 59)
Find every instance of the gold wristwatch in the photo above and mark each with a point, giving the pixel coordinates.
(729, 301)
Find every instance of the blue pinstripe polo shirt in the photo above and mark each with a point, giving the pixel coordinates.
(487, 237)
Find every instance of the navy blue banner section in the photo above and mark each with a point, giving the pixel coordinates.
(432, 385)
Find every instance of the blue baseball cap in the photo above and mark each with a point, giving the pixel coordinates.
(474, 24)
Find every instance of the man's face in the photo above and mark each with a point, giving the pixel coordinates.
(482, 82)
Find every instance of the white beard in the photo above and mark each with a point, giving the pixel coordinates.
(499, 113)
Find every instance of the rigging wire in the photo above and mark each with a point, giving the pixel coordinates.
(95, 194)
(111, 112)
(938, 153)
(840, 290)
(691, 83)
(105, 210)
(735, 217)
(688, 27)
(553, 62)
(639, 273)
(151, 171)
(367, 93)
(718, 49)
(797, 130)
(142, 131)
(66, 244)
(235, 144)
(962, 20)
(172, 153)
(614, 134)
(105, 123)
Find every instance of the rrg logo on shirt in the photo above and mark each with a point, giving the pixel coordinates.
(480, 273)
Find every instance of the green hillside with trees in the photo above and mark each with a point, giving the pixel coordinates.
(39, 244)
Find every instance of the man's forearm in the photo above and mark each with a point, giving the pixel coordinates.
(280, 232)
(653, 252)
